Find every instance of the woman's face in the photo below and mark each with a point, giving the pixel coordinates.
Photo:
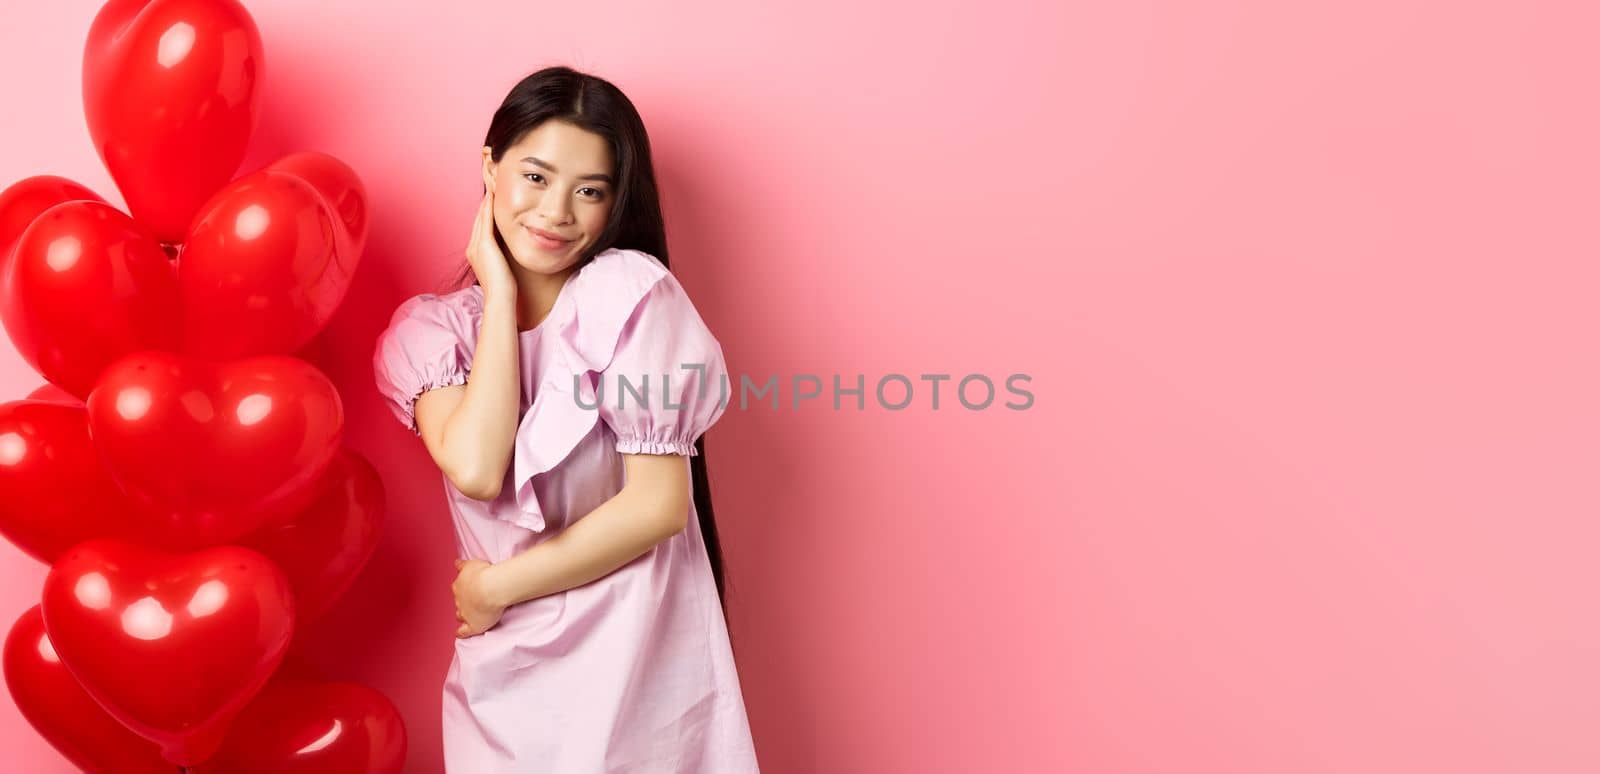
(553, 192)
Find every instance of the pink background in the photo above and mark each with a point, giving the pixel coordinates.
(1306, 292)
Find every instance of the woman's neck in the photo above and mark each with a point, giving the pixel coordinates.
(537, 294)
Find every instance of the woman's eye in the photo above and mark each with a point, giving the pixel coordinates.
(593, 193)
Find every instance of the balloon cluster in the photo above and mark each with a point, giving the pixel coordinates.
(183, 473)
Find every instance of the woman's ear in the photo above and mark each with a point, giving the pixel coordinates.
(488, 168)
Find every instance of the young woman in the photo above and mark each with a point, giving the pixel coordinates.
(563, 395)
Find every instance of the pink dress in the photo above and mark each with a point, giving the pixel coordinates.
(632, 672)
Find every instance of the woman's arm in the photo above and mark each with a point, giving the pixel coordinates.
(652, 506)
(469, 429)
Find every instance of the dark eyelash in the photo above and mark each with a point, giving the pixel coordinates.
(598, 194)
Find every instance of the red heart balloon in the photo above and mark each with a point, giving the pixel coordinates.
(171, 645)
(25, 199)
(337, 183)
(172, 92)
(84, 286)
(50, 393)
(65, 714)
(212, 451)
(323, 547)
(54, 491)
(303, 727)
(270, 257)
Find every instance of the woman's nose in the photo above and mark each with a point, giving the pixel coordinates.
(554, 210)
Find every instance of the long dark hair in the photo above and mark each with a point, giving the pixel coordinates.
(594, 104)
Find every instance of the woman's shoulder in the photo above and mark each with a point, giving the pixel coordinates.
(608, 289)
(622, 273)
(432, 322)
(447, 308)
(628, 293)
(624, 281)
(427, 344)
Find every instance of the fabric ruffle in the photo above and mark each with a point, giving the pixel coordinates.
(431, 340)
(589, 317)
(657, 446)
(423, 349)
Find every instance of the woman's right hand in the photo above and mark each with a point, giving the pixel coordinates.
(483, 254)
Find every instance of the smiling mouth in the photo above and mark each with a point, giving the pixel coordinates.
(546, 237)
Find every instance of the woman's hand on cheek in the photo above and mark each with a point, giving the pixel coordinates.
(489, 265)
(475, 611)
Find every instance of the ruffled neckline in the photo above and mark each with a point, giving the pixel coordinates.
(584, 326)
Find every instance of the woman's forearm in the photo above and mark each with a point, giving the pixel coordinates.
(619, 531)
(479, 434)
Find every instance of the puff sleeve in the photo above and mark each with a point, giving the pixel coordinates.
(426, 346)
(667, 381)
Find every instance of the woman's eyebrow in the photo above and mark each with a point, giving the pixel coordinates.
(540, 163)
